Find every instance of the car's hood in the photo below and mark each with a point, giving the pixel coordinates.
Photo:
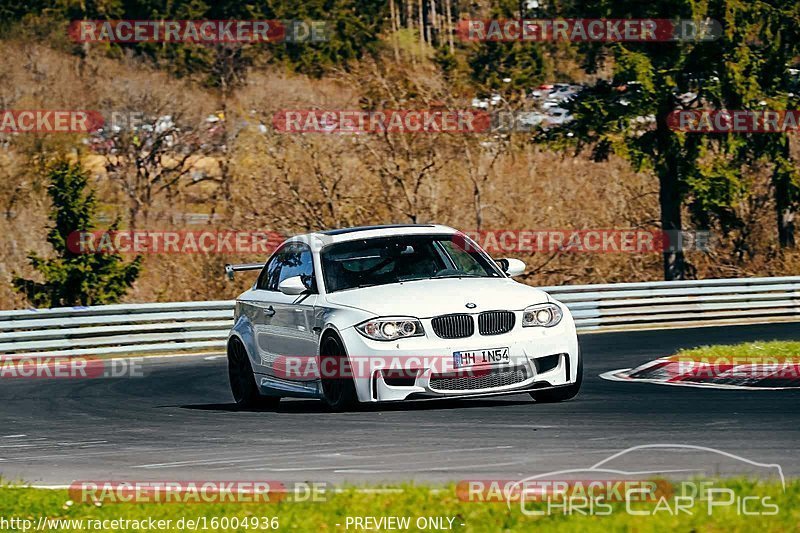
(427, 298)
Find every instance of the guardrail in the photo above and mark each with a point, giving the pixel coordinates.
(117, 329)
(656, 305)
(203, 326)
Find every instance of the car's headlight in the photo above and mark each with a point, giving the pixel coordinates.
(391, 328)
(545, 315)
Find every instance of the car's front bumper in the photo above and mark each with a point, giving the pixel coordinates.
(539, 358)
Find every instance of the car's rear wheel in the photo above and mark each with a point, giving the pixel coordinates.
(339, 391)
(243, 381)
(561, 394)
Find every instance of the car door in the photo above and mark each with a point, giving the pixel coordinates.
(283, 326)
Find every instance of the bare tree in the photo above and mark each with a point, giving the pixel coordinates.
(151, 148)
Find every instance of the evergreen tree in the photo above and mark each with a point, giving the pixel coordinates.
(72, 277)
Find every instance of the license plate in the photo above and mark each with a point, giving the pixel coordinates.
(489, 356)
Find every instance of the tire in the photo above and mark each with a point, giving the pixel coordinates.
(339, 394)
(561, 394)
(243, 382)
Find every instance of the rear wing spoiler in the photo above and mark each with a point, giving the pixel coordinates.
(230, 270)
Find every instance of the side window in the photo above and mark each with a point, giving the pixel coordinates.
(298, 262)
(270, 276)
(292, 260)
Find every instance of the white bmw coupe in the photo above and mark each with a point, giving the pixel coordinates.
(389, 313)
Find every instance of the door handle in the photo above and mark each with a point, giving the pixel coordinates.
(270, 311)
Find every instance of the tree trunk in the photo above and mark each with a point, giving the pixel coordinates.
(670, 202)
(784, 208)
(398, 23)
(449, 24)
(786, 227)
(434, 23)
(393, 14)
(421, 27)
(669, 198)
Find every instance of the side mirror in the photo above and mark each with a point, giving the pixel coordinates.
(292, 286)
(512, 267)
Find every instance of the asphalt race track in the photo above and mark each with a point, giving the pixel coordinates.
(178, 423)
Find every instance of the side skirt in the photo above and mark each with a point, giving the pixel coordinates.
(272, 386)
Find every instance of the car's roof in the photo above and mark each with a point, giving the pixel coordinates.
(368, 232)
(342, 231)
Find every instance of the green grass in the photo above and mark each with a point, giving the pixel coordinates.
(415, 501)
(754, 351)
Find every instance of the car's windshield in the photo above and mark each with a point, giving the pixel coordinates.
(384, 260)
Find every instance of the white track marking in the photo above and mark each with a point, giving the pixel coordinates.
(69, 455)
(215, 460)
(26, 441)
(302, 468)
(235, 459)
(82, 443)
(470, 466)
(360, 471)
(431, 452)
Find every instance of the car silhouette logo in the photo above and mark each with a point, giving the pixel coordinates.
(471, 305)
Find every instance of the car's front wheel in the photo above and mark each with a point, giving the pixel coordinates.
(561, 394)
(338, 390)
(243, 381)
